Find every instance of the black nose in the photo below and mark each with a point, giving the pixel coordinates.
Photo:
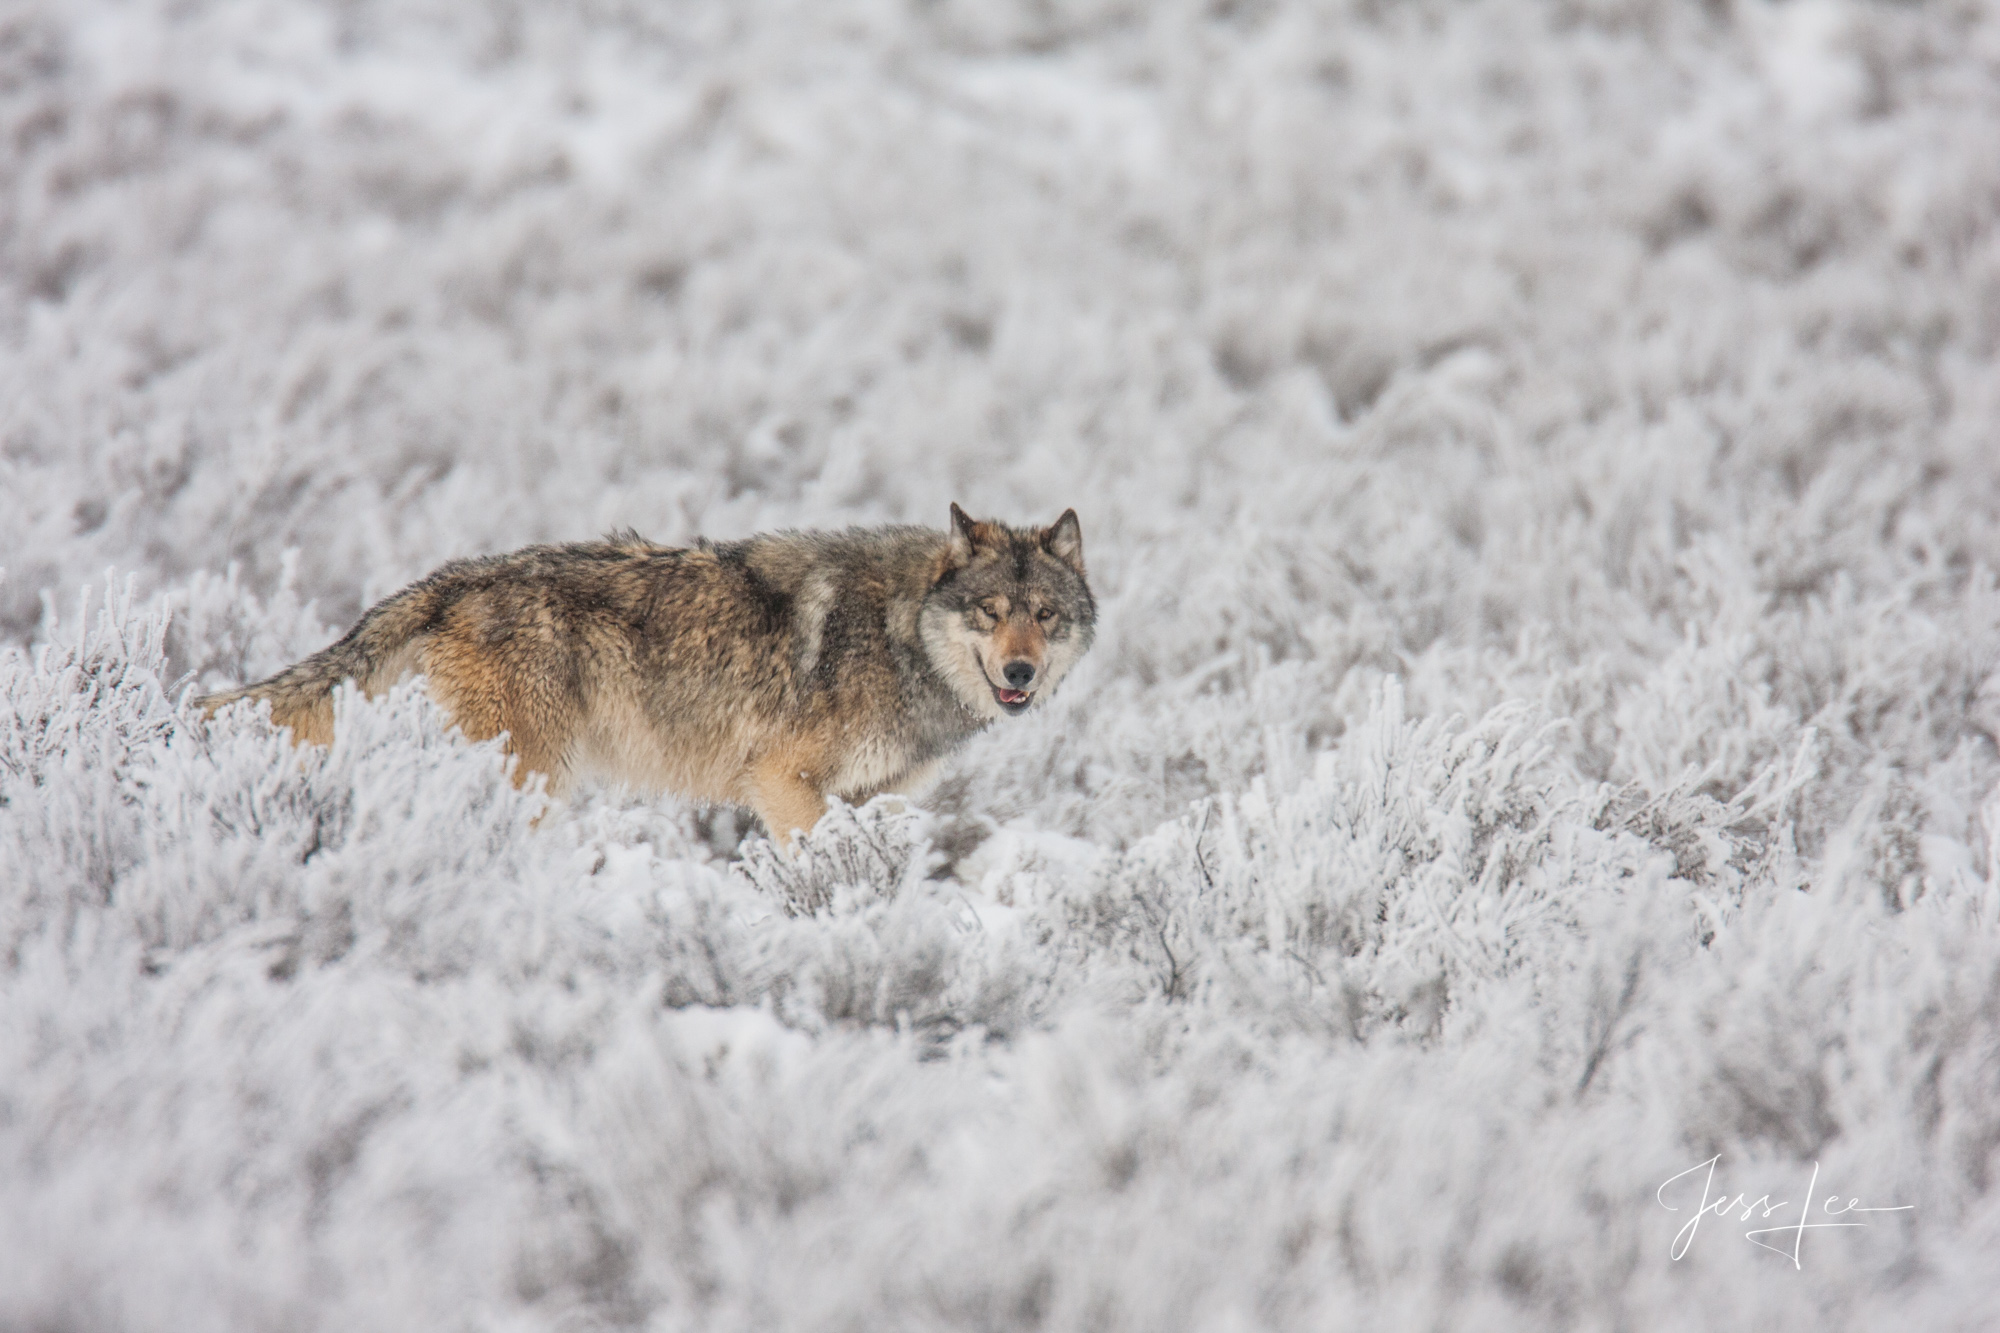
(1018, 674)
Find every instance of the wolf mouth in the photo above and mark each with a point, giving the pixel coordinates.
(1014, 701)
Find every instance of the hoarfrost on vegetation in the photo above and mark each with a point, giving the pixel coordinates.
(1538, 471)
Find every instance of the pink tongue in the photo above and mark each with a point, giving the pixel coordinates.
(1013, 696)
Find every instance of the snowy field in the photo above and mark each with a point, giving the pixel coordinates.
(1540, 470)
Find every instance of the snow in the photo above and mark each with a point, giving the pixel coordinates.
(1537, 465)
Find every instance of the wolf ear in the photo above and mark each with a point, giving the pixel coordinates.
(963, 538)
(1063, 539)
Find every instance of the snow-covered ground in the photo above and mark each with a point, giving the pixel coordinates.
(1540, 468)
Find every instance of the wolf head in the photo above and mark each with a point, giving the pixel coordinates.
(1008, 612)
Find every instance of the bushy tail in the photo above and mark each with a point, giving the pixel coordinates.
(380, 648)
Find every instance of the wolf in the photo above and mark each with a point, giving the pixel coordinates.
(768, 673)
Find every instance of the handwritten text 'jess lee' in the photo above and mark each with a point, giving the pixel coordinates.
(1763, 1208)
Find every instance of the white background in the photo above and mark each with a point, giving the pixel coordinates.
(1537, 463)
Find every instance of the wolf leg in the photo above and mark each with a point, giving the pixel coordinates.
(911, 787)
(918, 780)
(786, 798)
(485, 698)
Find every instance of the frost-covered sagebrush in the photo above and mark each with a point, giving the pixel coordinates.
(1541, 737)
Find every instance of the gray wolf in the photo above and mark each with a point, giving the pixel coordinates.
(769, 673)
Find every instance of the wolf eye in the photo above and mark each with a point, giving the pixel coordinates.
(1045, 615)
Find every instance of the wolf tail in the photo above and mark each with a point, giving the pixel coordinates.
(383, 645)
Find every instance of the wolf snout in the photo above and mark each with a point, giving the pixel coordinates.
(1019, 674)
